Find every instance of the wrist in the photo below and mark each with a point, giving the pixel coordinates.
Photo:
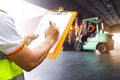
(50, 42)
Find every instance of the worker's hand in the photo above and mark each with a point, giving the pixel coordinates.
(52, 33)
(29, 38)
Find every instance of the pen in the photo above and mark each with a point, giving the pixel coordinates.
(50, 22)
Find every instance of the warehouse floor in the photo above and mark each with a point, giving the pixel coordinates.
(84, 65)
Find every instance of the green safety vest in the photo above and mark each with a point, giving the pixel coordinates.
(8, 69)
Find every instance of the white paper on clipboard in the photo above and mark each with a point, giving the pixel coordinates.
(61, 20)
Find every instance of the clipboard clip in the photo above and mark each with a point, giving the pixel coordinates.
(60, 11)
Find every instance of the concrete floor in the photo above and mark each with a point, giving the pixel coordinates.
(85, 65)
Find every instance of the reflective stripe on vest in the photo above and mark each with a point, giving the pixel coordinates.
(8, 69)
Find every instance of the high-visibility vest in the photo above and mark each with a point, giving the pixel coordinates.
(8, 69)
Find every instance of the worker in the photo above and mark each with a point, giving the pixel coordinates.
(15, 55)
(90, 33)
(70, 35)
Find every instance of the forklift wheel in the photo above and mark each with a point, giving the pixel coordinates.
(77, 46)
(102, 48)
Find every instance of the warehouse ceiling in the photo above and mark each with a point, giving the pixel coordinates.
(108, 9)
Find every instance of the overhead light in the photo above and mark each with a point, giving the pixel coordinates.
(108, 5)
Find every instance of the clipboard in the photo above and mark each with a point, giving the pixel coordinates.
(63, 21)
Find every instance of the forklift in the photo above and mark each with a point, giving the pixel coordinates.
(100, 40)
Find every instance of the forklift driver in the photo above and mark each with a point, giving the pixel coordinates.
(90, 33)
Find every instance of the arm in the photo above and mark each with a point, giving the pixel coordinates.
(28, 59)
(92, 28)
